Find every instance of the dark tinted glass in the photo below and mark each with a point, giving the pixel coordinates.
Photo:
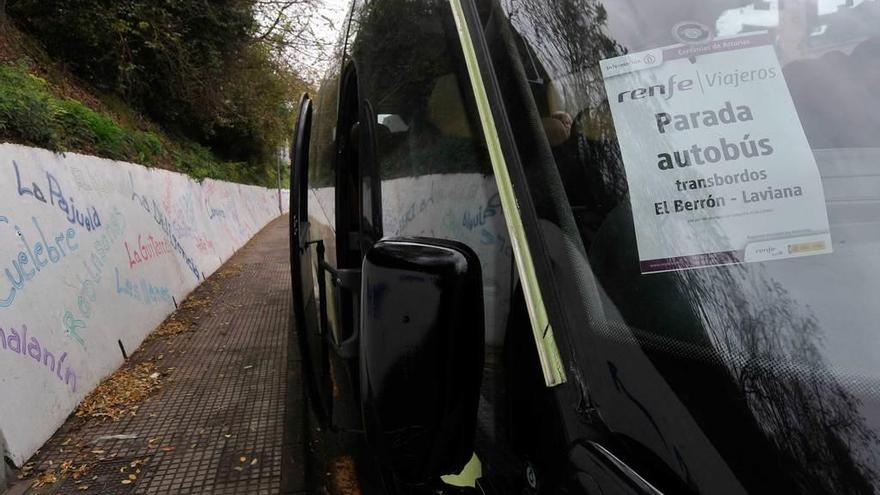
(755, 376)
(434, 174)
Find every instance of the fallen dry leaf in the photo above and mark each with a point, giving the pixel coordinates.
(194, 302)
(119, 394)
(66, 468)
(228, 270)
(343, 477)
(47, 478)
(171, 326)
(81, 471)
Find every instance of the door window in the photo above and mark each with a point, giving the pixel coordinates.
(430, 158)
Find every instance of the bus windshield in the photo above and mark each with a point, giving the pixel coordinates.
(705, 174)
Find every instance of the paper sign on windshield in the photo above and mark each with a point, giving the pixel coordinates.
(718, 166)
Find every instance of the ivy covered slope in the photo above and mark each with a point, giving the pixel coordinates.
(33, 112)
(142, 83)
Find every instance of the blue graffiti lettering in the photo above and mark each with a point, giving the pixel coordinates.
(89, 219)
(33, 254)
(142, 290)
(477, 218)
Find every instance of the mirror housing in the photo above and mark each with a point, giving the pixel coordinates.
(421, 355)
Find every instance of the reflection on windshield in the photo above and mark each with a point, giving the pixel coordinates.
(772, 347)
(811, 28)
(780, 398)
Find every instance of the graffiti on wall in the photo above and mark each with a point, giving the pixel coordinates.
(88, 218)
(93, 255)
(17, 342)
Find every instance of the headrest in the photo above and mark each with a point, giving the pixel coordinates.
(556, 131)
(446, 108)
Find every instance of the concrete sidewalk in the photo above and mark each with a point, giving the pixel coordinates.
(228, 413)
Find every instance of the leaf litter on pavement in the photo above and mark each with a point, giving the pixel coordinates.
(121, 393)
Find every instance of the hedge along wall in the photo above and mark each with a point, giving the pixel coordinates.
(93, 253)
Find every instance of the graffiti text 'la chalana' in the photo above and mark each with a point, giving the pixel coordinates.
(12, 341)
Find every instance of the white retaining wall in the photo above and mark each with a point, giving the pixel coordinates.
(95, 252)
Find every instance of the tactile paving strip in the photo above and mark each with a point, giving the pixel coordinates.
(216, 425)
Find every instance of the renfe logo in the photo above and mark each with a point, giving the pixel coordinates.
(668, 90)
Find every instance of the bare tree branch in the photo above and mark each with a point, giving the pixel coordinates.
(292, 31)
(279, 16)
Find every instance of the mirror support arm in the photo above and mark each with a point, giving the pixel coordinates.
(348, 279)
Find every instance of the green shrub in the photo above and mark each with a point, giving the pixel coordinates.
(26, 108)
(31, 114)
(198, 68)
(147, 146)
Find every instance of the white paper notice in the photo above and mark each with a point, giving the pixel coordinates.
(718, 166)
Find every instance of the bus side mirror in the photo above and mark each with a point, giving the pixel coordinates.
(421, 355)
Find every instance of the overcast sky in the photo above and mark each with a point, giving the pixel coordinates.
(335, 10)
(326, 26)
